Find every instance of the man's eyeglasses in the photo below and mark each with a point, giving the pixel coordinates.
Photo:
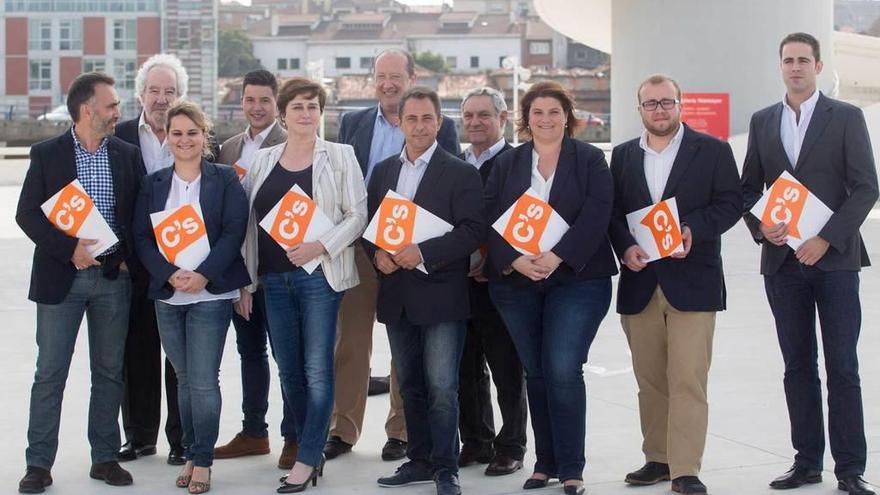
(665, 103)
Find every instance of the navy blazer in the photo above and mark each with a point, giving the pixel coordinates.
(450, 189)
(704, 181)
(225, 207)
(356, 129)
(53, 166)
(835, 163)
(582, 194)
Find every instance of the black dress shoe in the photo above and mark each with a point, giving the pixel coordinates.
(502, 465)
(394, 450)
(534, 483)
(472, 455)
(379, 385)
(176, 457)
(335, 447)
(407, 474)
(650, 473)
(574, 490)
(688, 484)
(131, 451)
(855, 485)
(35, 480)
(795, 477)
(447, 482)
(111, 473)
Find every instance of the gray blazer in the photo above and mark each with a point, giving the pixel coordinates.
(231, 149)
(835, 163)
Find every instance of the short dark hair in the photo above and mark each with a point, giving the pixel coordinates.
(419, 93)
(260, 77)
(82, 89)
(805, 38)
(410, 61)
(297, 86)
(547, 89)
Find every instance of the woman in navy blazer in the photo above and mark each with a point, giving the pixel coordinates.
(194, 307)
(552, 303)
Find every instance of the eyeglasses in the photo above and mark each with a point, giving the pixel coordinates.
(665, 103)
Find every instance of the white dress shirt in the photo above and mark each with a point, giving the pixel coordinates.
(183, 193)
(485, 156)
(411, 173)
(156, 155)
(541, 185)
(658, 165)
(250, 146)
(792, 130)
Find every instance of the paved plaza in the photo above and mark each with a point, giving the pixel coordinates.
(748, 440)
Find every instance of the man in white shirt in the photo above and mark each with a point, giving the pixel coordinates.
(259, 91)
(668, 306)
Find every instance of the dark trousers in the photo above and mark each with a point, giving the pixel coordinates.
(488, 342)
(426, 359)
(553, 326)
(142, 401)
(795, 293)
(251, 338)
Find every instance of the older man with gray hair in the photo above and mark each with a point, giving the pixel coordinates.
(160, 82)
(484, 117)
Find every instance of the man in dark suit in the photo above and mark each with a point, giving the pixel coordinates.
(668, 306)
(375, 134)
(425, 314)
(67, 281)
(484, 117)
(160, 81)
(258, 102)
(823, 143)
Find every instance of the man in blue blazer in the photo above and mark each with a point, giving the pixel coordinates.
(67, 282)
(824, 144)
(668, 306)
(375, 134)
(425, 313)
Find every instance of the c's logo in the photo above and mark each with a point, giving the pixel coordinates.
(666, 232)
(292, 220)
(527, 223)
(785, 205)
(71, 210)
(178, 231)
(395, 225)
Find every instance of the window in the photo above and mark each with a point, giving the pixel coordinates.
(39, 35)
(366, 62)
(452, 62)
(475, 62)
(183, 35)
(539, 48)
(343, 62)
(124, 72)
(580, 55)
(294, 64)
(282, 64)
(70, 35)
(40, 76)
(94, 65)
(125, 34)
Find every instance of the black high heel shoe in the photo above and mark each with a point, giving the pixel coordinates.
(301, 487)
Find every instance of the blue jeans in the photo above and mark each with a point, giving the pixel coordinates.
(301, 312)
(251, 337)
(552, 326)
(426, 359)
(105, 304)
(795, 293)
(193, 336)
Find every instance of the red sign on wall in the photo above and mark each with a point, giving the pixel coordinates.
(707, 112)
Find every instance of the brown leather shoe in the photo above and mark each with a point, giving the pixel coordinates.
(502, 465)
(241, 446)
(288, 455)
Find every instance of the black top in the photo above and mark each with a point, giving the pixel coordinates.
(271, 257)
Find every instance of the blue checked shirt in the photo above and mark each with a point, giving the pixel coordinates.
(93, 172)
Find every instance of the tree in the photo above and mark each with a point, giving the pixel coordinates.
(431, 61)
(235, 54)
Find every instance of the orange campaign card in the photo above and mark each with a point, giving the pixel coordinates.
(239, 171)
(292, 219)
(71, 210)
(178, 231)
(664, 227)
(527, 224)
(396, 223)
(785, 204)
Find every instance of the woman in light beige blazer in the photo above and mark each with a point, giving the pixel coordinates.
(301, 308)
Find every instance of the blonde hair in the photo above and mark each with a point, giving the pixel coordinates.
(192, 111)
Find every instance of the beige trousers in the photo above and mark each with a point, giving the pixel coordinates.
(671, 355)
(354, 344)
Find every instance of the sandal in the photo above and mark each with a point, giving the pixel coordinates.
(183, 480)
(197, 487)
